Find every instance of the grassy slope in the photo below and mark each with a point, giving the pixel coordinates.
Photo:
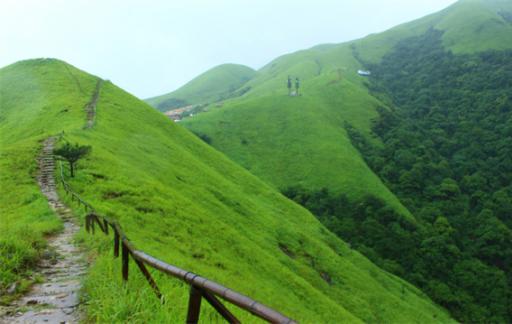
(213, 85)
(185, 203)
(290, 141)
(469, 25)
(33, 97)
(300, 140)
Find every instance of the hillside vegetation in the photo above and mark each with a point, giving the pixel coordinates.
(447, 156)
(219, 83)
(468, 26)
(37, 98)
(181, 201)
(302, 140)
(309, 147)
(254, 129)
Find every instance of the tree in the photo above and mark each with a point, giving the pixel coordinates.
(72, 153)
(488, 289)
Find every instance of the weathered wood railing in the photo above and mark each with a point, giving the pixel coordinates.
(200, 287)
(68, 190)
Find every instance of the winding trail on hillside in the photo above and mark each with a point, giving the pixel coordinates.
(55, 299)
(90, 107)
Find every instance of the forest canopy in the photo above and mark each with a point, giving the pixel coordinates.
(447, 155)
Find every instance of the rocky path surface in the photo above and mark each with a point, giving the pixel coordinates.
(55, 299)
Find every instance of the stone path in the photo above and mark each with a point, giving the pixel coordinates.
(56, 299)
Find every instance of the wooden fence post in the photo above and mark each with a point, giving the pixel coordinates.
(150, 280)
(194, 305)
(92, 224)
(116, 243)
(100, 224)
(125, 261)
(87, 224)
(220, 308)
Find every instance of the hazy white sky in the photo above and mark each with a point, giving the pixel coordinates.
(152, 47)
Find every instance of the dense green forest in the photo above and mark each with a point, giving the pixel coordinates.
(447, 154)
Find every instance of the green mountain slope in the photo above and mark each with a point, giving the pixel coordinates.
(181, 201)
(249, 129)
(219, 83)
(301, 140)
(468, 26)
(302, 144)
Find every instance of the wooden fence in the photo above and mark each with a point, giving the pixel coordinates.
(200, 287)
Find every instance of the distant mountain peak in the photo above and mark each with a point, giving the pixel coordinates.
(216, 84)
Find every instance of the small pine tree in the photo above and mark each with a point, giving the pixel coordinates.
(72, 153)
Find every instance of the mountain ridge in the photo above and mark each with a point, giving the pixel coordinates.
(160, 181)
(218, 83)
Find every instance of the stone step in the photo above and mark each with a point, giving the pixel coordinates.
(56, 299)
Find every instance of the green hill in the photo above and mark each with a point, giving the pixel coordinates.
(219, 83)
(468, 26)
(290, 141)
(181, 201)
(301, 145)
(254, 129)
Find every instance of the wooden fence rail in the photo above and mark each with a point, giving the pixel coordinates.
(200, 287)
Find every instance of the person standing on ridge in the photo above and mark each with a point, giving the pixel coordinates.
(297, 84)
(289, 86)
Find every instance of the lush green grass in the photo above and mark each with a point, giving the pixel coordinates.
(219, 83)
(187, 204)
(302, 141)
(290, 141)
(469, 26)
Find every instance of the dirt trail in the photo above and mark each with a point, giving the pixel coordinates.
(90, 108)
(56, 299)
